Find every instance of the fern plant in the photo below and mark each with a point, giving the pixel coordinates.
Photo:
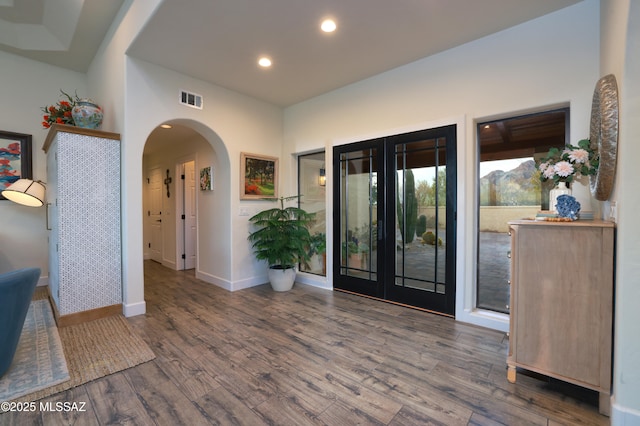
(282, 237)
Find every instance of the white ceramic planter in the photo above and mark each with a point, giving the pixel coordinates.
(282, 279)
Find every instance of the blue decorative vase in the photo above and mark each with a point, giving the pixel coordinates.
(568, 207)
(560, 189)
(87, 114)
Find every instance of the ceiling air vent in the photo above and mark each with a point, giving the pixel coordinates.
(191, 99)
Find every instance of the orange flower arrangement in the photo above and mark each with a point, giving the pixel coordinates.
(59, 113)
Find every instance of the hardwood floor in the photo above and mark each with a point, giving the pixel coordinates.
(311, 357)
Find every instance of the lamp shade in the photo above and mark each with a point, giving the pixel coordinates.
(26, 192)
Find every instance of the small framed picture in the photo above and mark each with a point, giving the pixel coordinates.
(258, 177)
(206, 179)
(15, 158)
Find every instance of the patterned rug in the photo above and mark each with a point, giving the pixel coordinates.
(39, 361)
(95, 349)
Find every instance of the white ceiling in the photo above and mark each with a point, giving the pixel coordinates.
(219, 41)
(66, 33)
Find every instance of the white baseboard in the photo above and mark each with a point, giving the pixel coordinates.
(231, 285)
(212, 279)
(169, 264)
(623, 416)
(301, 277)
(43, 281)
(313, 280)
(249, 282)
(133, 309)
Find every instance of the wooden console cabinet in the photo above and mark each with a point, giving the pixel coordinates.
(562, 302)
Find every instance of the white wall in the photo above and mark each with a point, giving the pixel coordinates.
(25, 87)
(106, 77)
(232, 123)
(620, 23)
(141, 97)
(549, 61)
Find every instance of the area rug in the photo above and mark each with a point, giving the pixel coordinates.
(96, 349)
(39, 361)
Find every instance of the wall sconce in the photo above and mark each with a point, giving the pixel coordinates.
(26, 192)
(322, 179)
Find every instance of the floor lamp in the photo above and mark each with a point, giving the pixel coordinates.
(26, 192)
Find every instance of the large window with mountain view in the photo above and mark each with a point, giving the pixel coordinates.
(510, 188)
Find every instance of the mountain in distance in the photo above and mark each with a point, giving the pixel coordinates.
(511, 188)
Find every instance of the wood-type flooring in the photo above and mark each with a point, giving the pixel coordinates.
(309, 357)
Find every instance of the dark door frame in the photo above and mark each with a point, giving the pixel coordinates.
(386, 220)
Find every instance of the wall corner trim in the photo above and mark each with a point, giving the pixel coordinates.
(623, 416)
(133, 309)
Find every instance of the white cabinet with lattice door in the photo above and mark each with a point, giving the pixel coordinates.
(83, 213)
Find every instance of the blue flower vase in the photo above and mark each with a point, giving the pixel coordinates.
(560, 189)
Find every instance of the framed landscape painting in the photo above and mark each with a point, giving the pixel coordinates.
(15, 158)
(258, 176)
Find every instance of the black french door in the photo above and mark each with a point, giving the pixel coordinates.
(394, 221)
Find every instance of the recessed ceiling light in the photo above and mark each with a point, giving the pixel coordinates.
(264, 62)
(328, 25)
(166, 126)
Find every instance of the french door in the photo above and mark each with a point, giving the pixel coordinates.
(394, 233)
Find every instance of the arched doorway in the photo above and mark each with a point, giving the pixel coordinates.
(174, 206)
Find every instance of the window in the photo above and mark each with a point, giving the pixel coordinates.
(311, 185)
(510, 188)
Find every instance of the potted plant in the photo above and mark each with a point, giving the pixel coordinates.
(349, 248)
(562, 167)
(355, 252)
(282, 239)
(362, 252)
(318, 246)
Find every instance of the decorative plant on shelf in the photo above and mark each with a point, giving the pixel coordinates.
(283, 240)
(563, 166)
(60, 113)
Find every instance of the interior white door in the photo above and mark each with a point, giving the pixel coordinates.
(154, 215)
(190, 214)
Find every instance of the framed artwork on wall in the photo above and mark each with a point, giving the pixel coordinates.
(258, 176)
(206, 179)
(15, 158)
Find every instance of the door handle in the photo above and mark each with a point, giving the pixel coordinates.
(47, 216)
(380, 230)
(159, 220)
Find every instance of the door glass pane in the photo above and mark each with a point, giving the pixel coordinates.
(421, 215)
(358, 232)
(312, 185)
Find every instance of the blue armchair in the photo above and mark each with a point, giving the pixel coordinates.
(16, 291)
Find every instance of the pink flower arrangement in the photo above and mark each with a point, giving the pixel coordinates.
(562, 166)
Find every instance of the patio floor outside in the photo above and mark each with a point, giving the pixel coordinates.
(419, 263)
